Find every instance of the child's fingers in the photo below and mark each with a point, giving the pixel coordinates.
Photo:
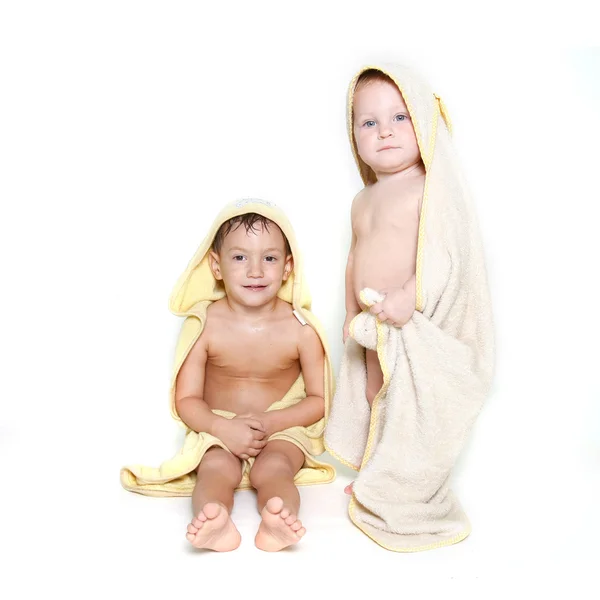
(376, 308)
(256, 424)
(382, 316)
(258, 435)
(259, 444)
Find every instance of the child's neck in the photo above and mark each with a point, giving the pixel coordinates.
(416, 170)
(253, 312)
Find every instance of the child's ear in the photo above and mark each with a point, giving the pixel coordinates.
(289, 267)
(215, 267)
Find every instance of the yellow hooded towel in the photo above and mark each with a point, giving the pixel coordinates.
(437, 368)
(193, 293)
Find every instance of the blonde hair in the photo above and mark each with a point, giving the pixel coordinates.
(370, 76)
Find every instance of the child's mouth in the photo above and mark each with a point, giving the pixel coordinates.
(255, 288)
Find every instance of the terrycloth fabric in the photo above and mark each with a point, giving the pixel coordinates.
(437, 368)
(193, 293)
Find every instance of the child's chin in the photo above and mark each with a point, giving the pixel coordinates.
(257, 298)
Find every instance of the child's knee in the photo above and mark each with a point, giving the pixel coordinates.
(220, 462)
(268, 466)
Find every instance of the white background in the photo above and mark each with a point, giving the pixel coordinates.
(125, 126)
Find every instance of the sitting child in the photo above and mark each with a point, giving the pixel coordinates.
(251, 383)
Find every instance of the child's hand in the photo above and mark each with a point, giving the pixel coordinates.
(268, 421)
(244, 435)
(396, 308)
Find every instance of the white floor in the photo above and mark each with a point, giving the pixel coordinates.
(91, 539)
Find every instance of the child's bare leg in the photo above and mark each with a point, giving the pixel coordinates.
(374, 375)
(374, 383)
(219, 474)
(278, 499)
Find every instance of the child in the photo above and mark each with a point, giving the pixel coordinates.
(424, 374)
(250, 386)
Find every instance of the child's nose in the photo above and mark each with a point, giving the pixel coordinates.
(255, 268)
(385, 132)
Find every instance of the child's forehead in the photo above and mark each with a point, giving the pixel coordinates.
(378, 96)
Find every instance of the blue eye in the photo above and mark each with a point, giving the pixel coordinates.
(369, 123)
(400, 118)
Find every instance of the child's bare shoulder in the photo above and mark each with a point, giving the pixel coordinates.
(361, 199)
(284, 315)
(215, 310)
(216, 318)
(361, 196)
(288, 323)
(307, 336)
(301, 334)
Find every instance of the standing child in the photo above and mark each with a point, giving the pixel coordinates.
(418, 333)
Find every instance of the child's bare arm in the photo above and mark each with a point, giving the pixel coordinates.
(312, 408)
(352, 306)
(189, 391)
(243, 435)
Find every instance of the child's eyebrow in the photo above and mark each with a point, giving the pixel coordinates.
(273, 250)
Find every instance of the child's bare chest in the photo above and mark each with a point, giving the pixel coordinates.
(252, 353)
(389, 213)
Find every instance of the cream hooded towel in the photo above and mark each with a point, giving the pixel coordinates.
(437, 368)
(194, 292)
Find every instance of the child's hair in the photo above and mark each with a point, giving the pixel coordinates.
(369, 76)
(252, 222)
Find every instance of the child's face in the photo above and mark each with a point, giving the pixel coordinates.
(252, 265)
(385, 137)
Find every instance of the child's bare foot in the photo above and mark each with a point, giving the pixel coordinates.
(213, 529)
(348, 489)
(278, 528)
